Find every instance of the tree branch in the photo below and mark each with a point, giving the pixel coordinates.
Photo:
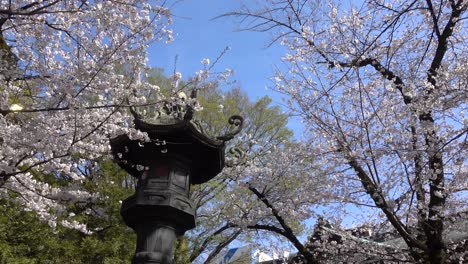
(287, 231)
(198, 250)
(380, 201)
(434, 18)
(222, 245)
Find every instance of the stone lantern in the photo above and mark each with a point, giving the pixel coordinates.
(176, 156)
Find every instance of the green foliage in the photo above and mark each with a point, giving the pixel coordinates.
(156, 76)
(263, 122)
(182, 251)
(24, 239)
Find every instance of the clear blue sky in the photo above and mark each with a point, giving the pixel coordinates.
(198, 36)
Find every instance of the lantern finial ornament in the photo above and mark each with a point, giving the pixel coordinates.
(176, 156)
(237, 122)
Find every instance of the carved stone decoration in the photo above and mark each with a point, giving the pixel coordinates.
(176, 155)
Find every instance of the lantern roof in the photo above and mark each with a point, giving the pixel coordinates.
(176, 138)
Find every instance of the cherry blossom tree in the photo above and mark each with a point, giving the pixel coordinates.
(266, 200)
(382, 88)
(68, 72)
(280, 191)
(264, 129)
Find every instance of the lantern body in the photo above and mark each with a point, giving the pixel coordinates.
(176, 156)
(160, 210)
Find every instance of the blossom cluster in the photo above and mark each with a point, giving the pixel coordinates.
(69, 71)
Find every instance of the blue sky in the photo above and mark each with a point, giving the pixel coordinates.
(198, 36)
